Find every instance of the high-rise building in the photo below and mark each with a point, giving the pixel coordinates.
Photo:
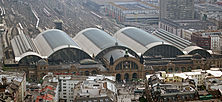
(177, 9)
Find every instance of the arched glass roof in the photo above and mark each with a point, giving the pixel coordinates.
(100, 38)
(137, 39)
(53, 40)
(191, 50)
(95, 41)
(56, 38)
(145, 43)
(140, 36)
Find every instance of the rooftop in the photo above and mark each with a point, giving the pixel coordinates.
(172, 38)
(209, 7)
(189, 24)
(133, 5)
(10, 76)
(136, 38)
(93, 40)
(52, 40)
(103, 2)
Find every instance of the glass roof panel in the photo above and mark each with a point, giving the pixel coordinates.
(100, 38)
(141, 36)
(56, 38)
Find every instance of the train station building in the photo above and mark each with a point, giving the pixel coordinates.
(130, 54)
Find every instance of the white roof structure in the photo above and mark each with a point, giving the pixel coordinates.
(214, 73)
(43, 46)
(196, 49)
(100, 44)
(143, 42)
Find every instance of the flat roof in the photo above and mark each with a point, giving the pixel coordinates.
(133, 5)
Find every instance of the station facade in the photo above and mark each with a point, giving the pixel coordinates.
(130, 54)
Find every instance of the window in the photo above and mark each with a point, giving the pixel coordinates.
(95, 85)
(126, 65)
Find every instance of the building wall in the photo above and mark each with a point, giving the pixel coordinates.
(177, 9)
(187, 34)
(111, 86)
(23, 87)
(207, 39)
(128, 69)
(204, 42)
(71, 69)
(173, 79)
(67, 88)
(56, 98)
(143, 69)
(215, 42)
(172, 29)
(122, 14)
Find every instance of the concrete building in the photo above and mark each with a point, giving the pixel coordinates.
(188, 33)
(177, 9)
(153, 2)
(178, 27)
(99, 5)
(67, 84)
(136, 11)
(12, 86)
(71, 88)
(207, 10)
(198, 76)
(174, 90)
(96, 88)
(186, 86)
(202, 41)
(211, 12)
(213, 80)
(210, 39)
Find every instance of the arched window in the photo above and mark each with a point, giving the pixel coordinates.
(29, 60)
(94, 72)
(170, 69)
(118, 77)
(87, 73)
(189, 68)
(124, 65)
(126, 77)
(198, 67)
(183, 69)
(134, 76)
